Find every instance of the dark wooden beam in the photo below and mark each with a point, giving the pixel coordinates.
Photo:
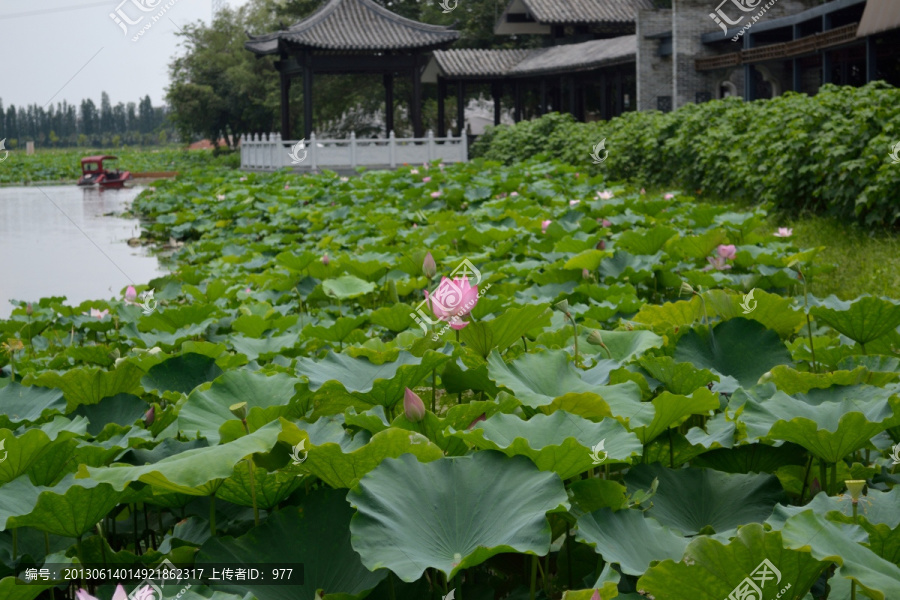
(573, 100)
(517, 98)
(285, 106)
(871, 59)
(617, 105)
(388, 104)
(416, 108)
(604, 92)
(307, 97)
(460, 107)
(496, 93)
(543, 110)
(442, 93)
(348, 64)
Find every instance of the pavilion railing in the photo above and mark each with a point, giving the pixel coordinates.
(270, 152)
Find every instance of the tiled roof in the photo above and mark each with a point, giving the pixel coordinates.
(356, 25)
(565, 58)
(585, 11)
(577, 57)
(478, 63)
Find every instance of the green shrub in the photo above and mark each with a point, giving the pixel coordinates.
(826, 153)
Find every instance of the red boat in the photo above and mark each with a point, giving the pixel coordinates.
(93, 173)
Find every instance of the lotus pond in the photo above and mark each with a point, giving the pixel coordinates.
(641, 397)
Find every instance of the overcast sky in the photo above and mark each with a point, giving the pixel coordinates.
(55, 50)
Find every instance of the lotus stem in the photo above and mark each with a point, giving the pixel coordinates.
(391, 592)
(805, 479)
(252, 480)
(212, 514)
(134, 521)
(569, 554)
(534, 568)
(671, 450)
(15, 543)
(434, 388)
(459, 593)
(525, 343)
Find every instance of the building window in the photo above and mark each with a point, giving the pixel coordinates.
(664, 103)
(726, 89)
(703, 97)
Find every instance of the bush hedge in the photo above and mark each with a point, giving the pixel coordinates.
(826, 153)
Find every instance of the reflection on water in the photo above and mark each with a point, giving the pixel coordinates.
(56, 241)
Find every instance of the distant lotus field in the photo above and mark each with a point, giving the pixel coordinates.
(469, 382)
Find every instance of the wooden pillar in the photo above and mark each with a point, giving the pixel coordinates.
(559, 95)
(416, 109)
(497, 93)
(604, 114)
(442, 91)
(871, 59)
(617, 105)
(573, 104)
(517, 99)
(460, 107)
(307, 95)
(388, 104)
(749, 87)
(285, 106)
(826, 56)
(543, 110)
(795, 63)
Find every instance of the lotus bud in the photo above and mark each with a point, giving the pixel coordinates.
(150, 416)
(585, 274)
(413, 407)
(766, 378)
(596, 595)
(595, 338)
(482, 417)
(428, 266)
(562, 305)
(601, 245)
(130, 294)
(239, 410)
(29, 310)
(855, 487)
(392, 291)
(325, 260)
(686, 288)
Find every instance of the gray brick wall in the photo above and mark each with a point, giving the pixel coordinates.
(654, 73)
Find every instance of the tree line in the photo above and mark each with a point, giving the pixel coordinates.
(67, 125)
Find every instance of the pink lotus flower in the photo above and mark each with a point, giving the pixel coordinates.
(545, 225)
(413, 407)
(453, 299)
(669, 196)
(325, 260)
(728, 252)
(150, 416)
(130, 294)
(643, 191)
(577, 175)
(414, 172)
(415, 225)
(784, 232)
(242, 179)
(435, 194)
(220, 197)
(29, 309)
(426, 179)
(97, 313)
(478, 419)
(596, 595)
(120, 594)
(287, 187)
(606, 223)
(574, 202)
(247, 291)
(585, 274)
(429, 267)
(345, 179)
(605, 195)
(514, 193)
(716, 262)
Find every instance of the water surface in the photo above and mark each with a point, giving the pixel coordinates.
(66, 241)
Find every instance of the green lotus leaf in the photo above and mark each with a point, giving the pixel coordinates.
(20, 453)
(296, 262)
(830, 429)
(341, 381)
(121, 410)
(628, 267)
(21, 404)
(189, 471)
(669, 410)
(373, 420)
(315, 535)
(678, 377)
(395, 318)
(452, 513)
(624, 345)
(875, 508)
(644, 241)
(336, 331)
(90, 385)
(538, 378)
(347, 286)
(696, 246)
(862, 320)
(11, 590)
(671, 315)
(711, 570)
(827, 541)
(593, 494)
(560, 442)
(505, 330)
(254, 348)
(791, 381)
(739, 348)
(206, 410)
(621, 400)
(772, 311)
(271, 488)
(342, 467)
(691, 499)
(604, 530)
(181, 373)
(588, 259)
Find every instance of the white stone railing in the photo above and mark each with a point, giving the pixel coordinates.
(270, 152)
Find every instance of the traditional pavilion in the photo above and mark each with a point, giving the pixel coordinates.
(352, 36)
